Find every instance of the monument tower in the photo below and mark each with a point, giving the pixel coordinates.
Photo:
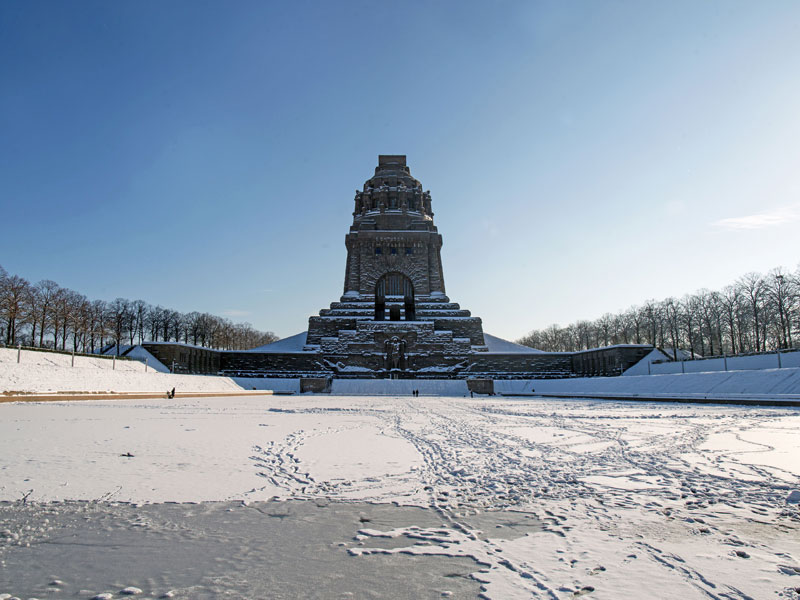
(394, 318)
(393, 248)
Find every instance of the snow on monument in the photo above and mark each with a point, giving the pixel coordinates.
(394, 319)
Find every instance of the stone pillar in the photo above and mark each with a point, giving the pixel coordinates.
(347, 273)
(355, 269)
(352, 273)
(439, 264)
(434, 270)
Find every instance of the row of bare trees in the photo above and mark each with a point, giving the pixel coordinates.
(755, 314)
(49, 316)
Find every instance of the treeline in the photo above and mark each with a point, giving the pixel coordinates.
(47, 315)
(756, 313)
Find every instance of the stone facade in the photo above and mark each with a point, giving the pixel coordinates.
(183, 358)
(611, 360)
(394, 319)
(483, 365)
(393, 232)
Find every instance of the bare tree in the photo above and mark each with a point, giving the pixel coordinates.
(782, 297)
(753, 288)
(755, 313)
(730, 299)
(46, 291)
(119, 317)
(30, 312)
(98, 328)
(14, 295)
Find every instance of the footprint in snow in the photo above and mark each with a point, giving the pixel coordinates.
(789, 569)
(597, 569)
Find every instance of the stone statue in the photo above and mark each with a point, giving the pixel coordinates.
(394, 352)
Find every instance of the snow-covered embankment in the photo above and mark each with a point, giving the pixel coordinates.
(768, 385)
(45, 372)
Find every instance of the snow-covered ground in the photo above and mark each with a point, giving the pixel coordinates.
(549, 498)
(41, 372)
(45, 359)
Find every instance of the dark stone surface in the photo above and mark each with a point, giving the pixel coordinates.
(315, 385)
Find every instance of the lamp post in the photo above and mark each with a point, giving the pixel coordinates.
(779, 290)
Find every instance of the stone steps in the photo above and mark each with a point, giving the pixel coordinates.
(370, 305)
(369, 312)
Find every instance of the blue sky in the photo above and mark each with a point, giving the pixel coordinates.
(582, 156)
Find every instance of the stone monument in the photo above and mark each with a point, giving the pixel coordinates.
(394, 319)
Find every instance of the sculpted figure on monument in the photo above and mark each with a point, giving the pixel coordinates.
(394, 352)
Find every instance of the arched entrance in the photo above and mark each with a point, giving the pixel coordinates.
(394, 288)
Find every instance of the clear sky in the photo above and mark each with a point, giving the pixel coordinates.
(582, 156)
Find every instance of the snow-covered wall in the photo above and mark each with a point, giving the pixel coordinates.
(266, 383)
(399, 387)
(732, 384)
(756, 361)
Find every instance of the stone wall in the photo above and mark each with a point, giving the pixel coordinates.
(371, 336)
(403, 252)
(319, 327)
(543, 365)
(182, 358)
(315, 385)
(609, 361)
(471, 328)
(480, 386)
(448, 358)
(273, 364)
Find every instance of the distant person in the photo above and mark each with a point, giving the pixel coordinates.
(172, 393)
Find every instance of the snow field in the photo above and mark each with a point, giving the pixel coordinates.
(613, 499)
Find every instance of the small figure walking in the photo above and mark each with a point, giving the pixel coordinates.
(171, 394)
